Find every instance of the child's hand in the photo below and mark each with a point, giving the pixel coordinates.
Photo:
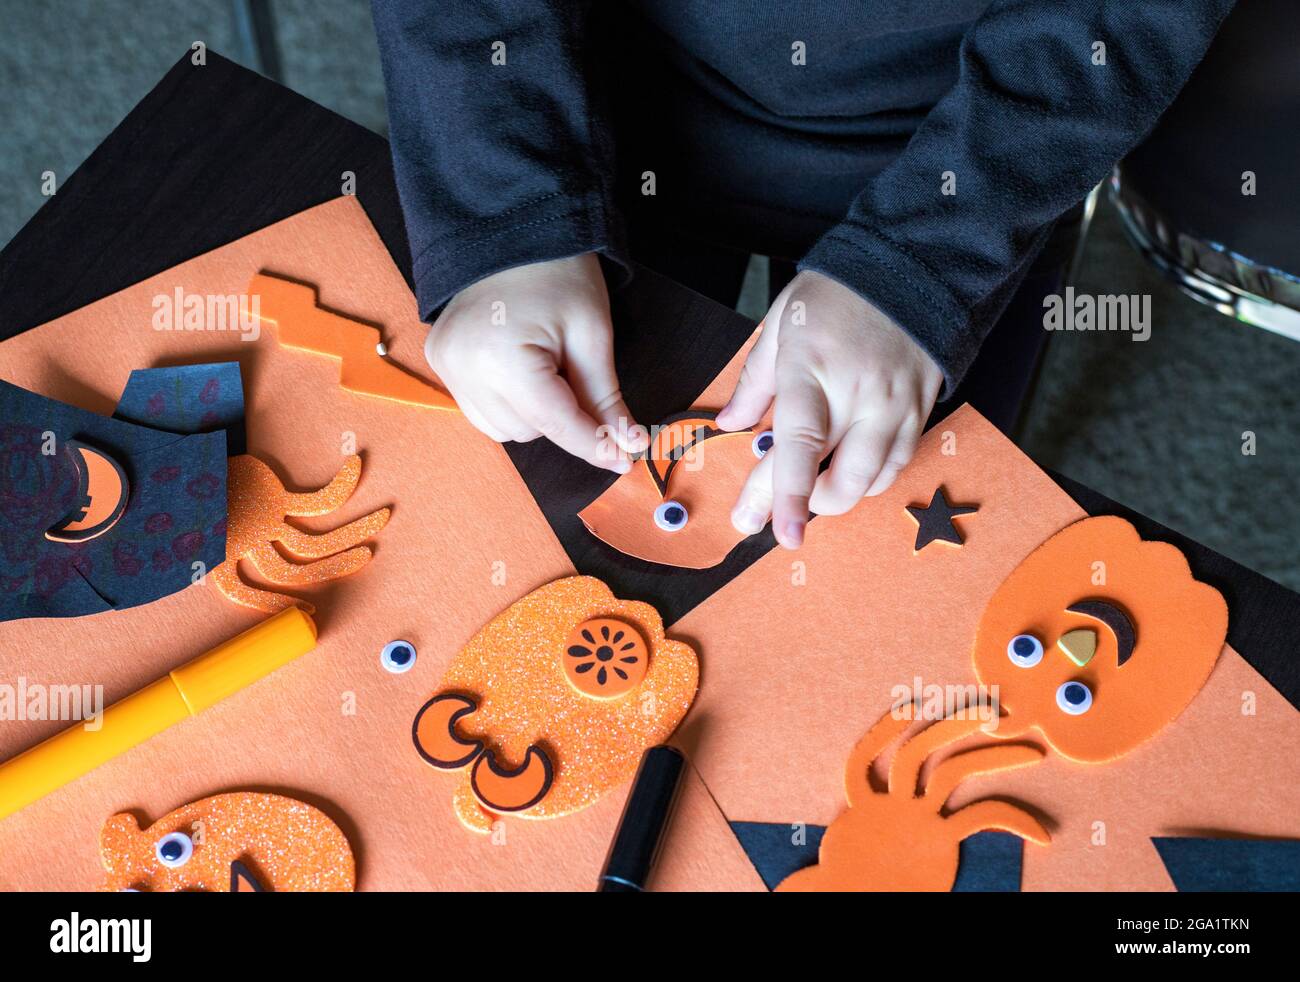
(845, 378)
(529, 352)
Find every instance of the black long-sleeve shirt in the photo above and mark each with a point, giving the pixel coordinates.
(827, 131)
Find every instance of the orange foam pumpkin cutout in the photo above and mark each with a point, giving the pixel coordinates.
(258, 506)
(690, 463)
(1117, 639)
(101, 499)
(902, 837)
(302, 324)
(239, 842)
(524, 738)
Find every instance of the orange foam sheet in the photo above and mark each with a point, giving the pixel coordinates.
(804, 651)
(465, 540)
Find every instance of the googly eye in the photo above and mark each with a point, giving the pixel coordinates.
(174, 850)
(671, 516)
(1025, 650)
(762, 443)
(398, 657)
(1074, 698)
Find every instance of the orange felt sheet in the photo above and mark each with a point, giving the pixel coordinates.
(803, 651)
(333, 728)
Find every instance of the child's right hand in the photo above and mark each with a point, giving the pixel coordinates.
(529, 352)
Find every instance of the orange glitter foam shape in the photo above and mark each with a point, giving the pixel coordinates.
(301, 323)
(258, 506)
(525, 704)
(284, 844)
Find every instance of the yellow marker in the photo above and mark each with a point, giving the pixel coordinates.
(185, 692)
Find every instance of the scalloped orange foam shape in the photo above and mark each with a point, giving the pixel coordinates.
(525, 739)
(1179, 624)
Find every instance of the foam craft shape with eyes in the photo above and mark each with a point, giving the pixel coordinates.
(901, 838)
(103, 513)
(692, 462)
(301, 323)
(1156, 635)
(259, 504)
(240, 842)
(553, 702)
(1147, 635)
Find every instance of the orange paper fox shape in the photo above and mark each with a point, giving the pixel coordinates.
(674, 506)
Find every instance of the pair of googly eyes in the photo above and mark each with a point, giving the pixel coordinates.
(672, 516)
(1073, 698)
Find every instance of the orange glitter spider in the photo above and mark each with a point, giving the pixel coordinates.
(258, 505)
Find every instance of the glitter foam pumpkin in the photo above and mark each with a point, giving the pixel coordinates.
(553, 702)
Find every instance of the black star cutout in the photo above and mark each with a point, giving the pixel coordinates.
(934, 521)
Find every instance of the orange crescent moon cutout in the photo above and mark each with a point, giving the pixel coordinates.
(101, 498)
(503, 789)
(435, 734)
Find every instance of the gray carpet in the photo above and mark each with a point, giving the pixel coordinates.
(1157, 425)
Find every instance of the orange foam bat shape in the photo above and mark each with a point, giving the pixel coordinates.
(301, 323)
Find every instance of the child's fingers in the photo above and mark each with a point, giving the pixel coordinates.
(753, 505)
(801, 427)
(757, 385)
(589, 363)
(900, 453)
(857, 462)
(546, 403)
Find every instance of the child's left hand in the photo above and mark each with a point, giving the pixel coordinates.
(845, 378)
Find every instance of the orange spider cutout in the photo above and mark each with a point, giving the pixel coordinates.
(553, 702)
(258, 505)
(241, 842)
(1096, 641)
(901, 837)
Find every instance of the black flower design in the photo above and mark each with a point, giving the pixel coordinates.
(600, 655)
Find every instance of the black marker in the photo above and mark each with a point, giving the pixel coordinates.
(646, 814)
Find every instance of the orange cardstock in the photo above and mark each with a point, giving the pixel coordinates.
(230, 843)
(804, 649)
(703, 471)
(464, 542)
